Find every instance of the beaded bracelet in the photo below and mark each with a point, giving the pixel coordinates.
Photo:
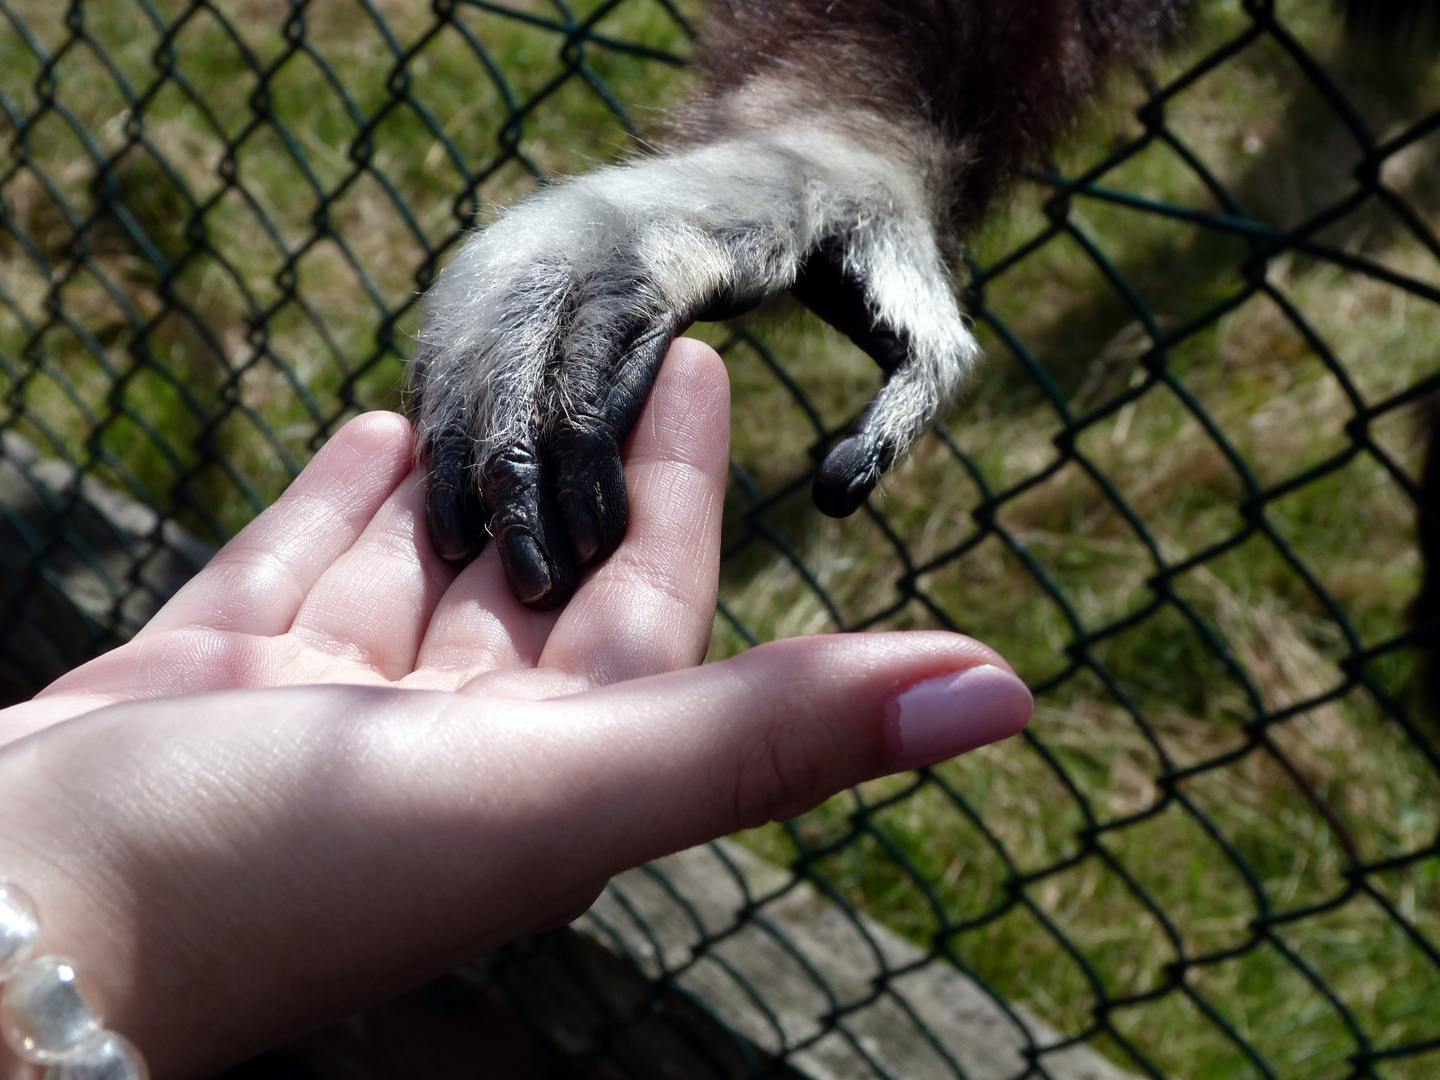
(44, 1016)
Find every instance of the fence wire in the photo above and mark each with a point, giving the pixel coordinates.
(1183, 500)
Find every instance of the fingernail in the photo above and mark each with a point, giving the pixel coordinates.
(525, 567)
(945, 716)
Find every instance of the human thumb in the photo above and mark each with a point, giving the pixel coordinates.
(674, 760)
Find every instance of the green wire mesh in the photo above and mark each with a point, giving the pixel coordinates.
(1183, 499)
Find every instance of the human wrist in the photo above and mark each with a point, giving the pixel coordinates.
(64, 861)
(48, 1013)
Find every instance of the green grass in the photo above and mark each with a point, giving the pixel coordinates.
(310, 258)
(1067, 869)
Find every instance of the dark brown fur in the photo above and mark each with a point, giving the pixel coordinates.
(1001, 79)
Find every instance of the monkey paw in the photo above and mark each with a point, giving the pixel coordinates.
(544, 334)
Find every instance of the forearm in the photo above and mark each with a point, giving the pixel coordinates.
(232, 869)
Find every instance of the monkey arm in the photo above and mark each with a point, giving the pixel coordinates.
(545, 332)
(838, 150)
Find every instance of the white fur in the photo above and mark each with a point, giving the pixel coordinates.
(668, 233)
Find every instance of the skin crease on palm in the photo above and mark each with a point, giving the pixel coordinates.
(334, 766)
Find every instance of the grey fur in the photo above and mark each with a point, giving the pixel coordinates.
(669, 233)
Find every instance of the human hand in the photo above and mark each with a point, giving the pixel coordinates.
(236, 848)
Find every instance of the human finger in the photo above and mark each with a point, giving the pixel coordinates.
(650, 608)
(683, 757)
(256, 583)
(478, 626)
(374, 602)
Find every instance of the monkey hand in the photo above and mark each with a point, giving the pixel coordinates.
(544, 334)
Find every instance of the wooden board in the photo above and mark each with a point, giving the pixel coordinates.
(792, 970)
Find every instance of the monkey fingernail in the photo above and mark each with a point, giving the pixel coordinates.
(527, 570)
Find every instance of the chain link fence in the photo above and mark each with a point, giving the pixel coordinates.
(1183, 500)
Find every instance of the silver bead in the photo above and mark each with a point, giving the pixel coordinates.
(19, 927)
(43, 1014)
(110, 1057)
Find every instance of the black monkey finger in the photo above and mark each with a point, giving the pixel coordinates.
(604, 387)
(453, 513)
(527, 527)
(590, 487)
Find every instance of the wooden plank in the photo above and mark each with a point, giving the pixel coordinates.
(86, 565)
(794, 971)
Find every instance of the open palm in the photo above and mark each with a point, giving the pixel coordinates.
(333, 766)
